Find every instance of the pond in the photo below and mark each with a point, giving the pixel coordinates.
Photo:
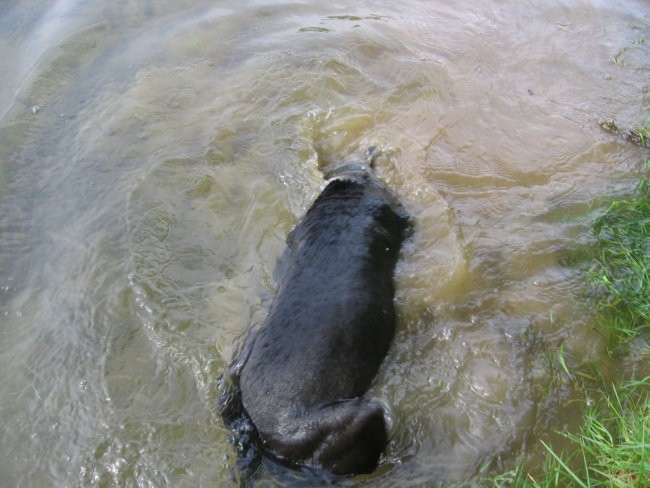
(155, 155)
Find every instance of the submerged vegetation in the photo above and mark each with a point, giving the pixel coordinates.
(621, 272)
(612, 448)
(613, 444)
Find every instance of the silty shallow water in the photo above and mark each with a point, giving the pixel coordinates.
(154, 155)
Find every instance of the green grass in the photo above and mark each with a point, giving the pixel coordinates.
(640, 135)
(613, 443)
(612, 448)
(621, 273)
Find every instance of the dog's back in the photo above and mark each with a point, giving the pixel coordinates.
(328, 330)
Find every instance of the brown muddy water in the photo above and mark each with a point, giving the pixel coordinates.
(154, 155)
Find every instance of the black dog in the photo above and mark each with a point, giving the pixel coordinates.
(303, 375)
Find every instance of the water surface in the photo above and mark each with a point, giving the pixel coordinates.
(154, 156)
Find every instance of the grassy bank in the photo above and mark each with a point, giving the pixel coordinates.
(612, 448)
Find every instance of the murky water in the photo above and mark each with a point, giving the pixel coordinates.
(154, 155)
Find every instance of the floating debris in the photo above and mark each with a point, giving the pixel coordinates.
(637, 135)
